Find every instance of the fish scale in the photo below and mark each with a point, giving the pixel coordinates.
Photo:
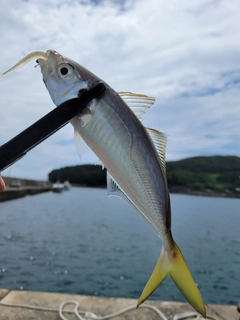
(127, 159)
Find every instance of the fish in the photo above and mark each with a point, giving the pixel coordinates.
(134, 156)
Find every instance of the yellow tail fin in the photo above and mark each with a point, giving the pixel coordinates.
(172, 263)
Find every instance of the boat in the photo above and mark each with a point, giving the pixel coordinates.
(57, 187)
(67, 185)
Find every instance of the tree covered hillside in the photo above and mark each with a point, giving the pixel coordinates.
(217, 173)
(86, 175)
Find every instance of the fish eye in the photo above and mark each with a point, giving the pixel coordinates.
(65, 71)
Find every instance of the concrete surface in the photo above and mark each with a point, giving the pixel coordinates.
(101, 306)
(15, 193)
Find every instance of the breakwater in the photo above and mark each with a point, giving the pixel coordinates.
(18, 188)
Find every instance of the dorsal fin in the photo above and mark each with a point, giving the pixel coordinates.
(138, 103)
(159, 140)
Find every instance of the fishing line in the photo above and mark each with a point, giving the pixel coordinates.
(91, 316)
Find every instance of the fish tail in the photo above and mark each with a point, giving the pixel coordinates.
(172, 263)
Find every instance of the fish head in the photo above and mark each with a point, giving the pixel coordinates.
(62, 77)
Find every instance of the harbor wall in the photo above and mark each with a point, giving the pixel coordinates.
(18, 188)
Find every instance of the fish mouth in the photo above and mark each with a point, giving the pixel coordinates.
(45, 66)
(49, 65)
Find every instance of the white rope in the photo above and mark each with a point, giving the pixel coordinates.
(91, 316)
(186, 315)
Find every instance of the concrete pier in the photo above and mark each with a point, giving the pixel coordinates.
(13, 306)
(22, 188)
(14, 193)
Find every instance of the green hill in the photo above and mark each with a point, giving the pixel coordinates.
(217, 173)
(87, 175)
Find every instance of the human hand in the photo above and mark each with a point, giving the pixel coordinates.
(2, 184)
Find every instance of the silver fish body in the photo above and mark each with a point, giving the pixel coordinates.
(123, 145)
(118, 138)
(134, 161)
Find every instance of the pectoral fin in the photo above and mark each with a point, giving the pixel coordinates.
(80, 144)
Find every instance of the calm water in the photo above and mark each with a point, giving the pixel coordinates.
(83, 242)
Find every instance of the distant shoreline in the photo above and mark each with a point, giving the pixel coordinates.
(34, 187)
(181, 191)
(206, 193)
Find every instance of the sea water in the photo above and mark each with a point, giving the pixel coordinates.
(81, 241)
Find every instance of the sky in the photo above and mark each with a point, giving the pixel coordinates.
(184, 53)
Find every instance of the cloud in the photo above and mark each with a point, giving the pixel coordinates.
(185, 54)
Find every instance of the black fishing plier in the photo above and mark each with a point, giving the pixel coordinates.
(17, 147)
